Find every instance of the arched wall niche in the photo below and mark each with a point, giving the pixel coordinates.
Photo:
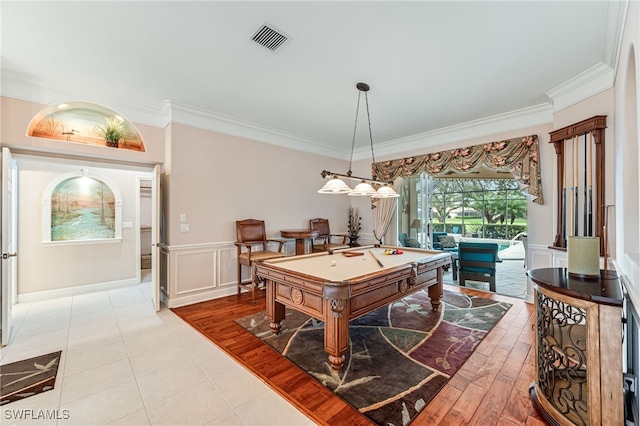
(86, 123)
(81, 207)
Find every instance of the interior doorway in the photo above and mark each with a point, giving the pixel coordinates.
(145, 212)
(105, 264)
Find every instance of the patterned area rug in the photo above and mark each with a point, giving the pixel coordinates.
(400, 355)
(28, 377)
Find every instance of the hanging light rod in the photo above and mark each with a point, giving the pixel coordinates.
(364, 188)
(326, 173)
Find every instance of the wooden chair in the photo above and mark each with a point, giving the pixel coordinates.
(324, 242)
(477, 262)
(250, 234)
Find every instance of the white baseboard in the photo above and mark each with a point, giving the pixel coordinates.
(73, 291)
(176, 302)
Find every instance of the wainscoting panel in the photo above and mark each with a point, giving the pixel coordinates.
(199, 272)
(370, 239)
(538, 256)
(289, 249)
(559, 258)
(194, 271)
(227, 267)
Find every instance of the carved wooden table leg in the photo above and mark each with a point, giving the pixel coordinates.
(336, 324)
(275, 310)
(435, 292)
(275, 327)
(336, 362)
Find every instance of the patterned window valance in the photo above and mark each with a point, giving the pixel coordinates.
(520, 156)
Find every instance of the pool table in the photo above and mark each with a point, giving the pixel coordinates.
(346, 284)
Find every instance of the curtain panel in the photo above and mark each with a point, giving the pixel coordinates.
(384, 213)
(520, 156)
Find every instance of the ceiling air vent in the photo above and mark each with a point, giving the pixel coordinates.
(269, 37)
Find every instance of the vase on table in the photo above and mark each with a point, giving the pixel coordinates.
(353, 241)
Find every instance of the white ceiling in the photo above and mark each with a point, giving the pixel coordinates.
(431, 65)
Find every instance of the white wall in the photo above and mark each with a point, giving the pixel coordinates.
(627, 148)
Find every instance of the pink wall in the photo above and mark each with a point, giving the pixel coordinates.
(217, 179)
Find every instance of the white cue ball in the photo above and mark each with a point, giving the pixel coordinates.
(333, 263)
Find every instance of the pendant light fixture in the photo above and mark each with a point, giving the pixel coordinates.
(365, 188)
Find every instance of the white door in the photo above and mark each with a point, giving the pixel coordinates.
(155, 236)
(8, 240)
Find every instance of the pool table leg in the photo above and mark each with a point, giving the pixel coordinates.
(336, 330)
(275, 310)
(435, 292)
(336, 362)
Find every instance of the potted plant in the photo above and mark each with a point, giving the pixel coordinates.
(354, 226)
(112, 131)
(475, 229)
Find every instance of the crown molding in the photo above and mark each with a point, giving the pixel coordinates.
(207, 120)
(616, 19)
(527, 117)
(24, 87)
(30, 89)
(596, 79)
(589, 83)
(601, 76)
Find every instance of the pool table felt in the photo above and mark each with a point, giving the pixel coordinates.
(346, 268)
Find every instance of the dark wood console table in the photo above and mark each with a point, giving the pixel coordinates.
(578, 348)
(299, 235)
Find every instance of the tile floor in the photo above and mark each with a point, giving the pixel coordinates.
(511, 279)
(123, 364)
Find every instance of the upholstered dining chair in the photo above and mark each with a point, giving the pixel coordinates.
(253, 245)
(326, 241)
(477, 262)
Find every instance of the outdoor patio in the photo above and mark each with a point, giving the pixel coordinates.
(511, 278)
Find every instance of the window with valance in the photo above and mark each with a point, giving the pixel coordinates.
(518, 156)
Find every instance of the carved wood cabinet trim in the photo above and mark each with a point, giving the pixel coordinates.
(596, 126)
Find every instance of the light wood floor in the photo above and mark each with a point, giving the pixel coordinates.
(491, 388)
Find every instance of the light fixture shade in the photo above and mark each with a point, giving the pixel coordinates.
(363, 189)
(385, 191)
(335, 186)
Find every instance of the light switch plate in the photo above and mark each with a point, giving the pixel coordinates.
(127, 225)
(184, 227)
(183, 217)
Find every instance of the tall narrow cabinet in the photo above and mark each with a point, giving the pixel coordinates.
(578, 348)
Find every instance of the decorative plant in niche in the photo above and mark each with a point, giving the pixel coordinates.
(354, 222)
(112, 130)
